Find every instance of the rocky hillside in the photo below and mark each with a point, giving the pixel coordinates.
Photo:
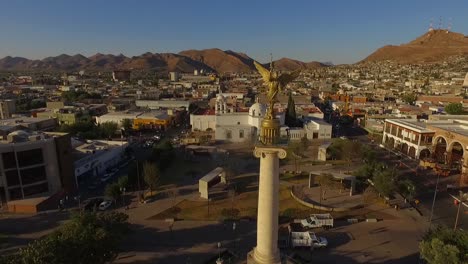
(433, 46)
(211, 60)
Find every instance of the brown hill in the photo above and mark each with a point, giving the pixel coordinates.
(186, 61)
(286, 64)
(163, 62)
(221, 61)
(433, 46)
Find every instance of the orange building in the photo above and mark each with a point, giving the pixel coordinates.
(152, 120)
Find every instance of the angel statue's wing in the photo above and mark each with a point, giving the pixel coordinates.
(286, 78)
(263, 71)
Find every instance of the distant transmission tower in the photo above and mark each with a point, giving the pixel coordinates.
(431, 27)
(440, 22)
(449, 26)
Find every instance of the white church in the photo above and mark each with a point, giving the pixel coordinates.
(230, 124)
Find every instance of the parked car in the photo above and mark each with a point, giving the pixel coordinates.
(307, 239)
(318, 220)
(105, 205)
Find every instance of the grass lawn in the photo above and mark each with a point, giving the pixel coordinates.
(246, 203)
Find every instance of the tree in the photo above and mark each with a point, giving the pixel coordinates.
(163, 154)
(151, 175)
(291, 118)
(123, 181)
(407, 188)
(108, 129)
(113, 191)
(436, 252)
(127, 124)
(87, 238)
(384, 182)
(410, 98)
(444, 245)
(326, 181)
(454, 108)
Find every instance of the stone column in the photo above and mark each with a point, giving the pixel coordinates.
(266, 251)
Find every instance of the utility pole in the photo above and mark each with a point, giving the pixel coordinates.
(433, 200)
(138, 180)
(462, 198)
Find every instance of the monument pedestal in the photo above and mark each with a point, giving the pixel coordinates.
(266, 251)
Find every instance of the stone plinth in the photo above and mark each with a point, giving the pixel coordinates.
(266, 251)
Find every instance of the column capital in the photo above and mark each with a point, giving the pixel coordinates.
(259, 151)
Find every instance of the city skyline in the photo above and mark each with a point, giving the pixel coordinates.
(336, 31)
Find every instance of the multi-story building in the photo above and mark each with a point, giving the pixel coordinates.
(7, 108)
(95, 157)
(35, 165)
(410, 136)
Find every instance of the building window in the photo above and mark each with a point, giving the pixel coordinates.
(30, 176)
(36, 189)
(9, 160)
(12, 178)
(15, 194)
(228, 134)
(241, 133)
(30, 157)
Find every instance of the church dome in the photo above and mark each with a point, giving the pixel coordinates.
(257, 109)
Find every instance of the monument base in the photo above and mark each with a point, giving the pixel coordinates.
(253, 258)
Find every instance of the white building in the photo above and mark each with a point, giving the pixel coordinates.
(97, 156)
(228, 124)
(234, 126)
(117, 117)
(317, 129)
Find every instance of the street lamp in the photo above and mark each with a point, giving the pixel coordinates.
(219, 260)
(463, 197)
(78, 199)
(433, 200)
(122, 190)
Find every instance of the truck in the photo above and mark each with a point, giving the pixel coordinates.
(318, 220)
(307, 239)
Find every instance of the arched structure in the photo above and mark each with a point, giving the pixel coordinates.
(424, 154)
(439, 152)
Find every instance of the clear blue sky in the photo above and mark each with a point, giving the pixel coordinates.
(330, 30)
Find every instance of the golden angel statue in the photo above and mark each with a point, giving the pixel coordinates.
(275, 82)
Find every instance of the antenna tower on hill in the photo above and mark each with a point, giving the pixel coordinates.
(431, 27)
(449, 26)
(440, 22)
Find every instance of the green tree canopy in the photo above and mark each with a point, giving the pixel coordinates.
(113, 191)
(108, 129)
(291, 119)
(454, 108)
(384, 182)
(151, 175)
(123, 181)
(163, 154)
(88, 238)
(410, 98)
(127, 124)
(445, 245)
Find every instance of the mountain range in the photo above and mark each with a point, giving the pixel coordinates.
(433, 46)
(214, 60)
